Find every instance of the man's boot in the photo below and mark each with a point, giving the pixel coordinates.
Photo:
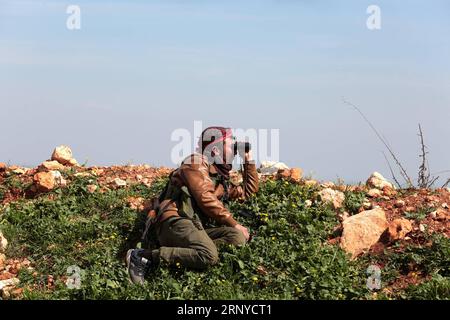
(137, 265)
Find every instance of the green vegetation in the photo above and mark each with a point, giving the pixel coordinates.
(437, 288)
(288, 257)
(354, 201)
(420, 214)
(13, 183)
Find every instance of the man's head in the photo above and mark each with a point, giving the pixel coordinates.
(216, 143)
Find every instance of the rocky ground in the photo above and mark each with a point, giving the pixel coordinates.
(47, 177)
(375, 217)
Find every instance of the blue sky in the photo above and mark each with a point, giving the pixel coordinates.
(137, 70)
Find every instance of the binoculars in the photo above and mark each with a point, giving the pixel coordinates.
(246, 146)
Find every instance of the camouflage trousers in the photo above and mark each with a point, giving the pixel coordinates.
(193, 247)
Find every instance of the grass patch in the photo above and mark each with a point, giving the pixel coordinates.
(288, 258)
(420, 214)
(354, 201)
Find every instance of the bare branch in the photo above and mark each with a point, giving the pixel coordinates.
(392, 171)
(432, 182)
(403, 172)
(446, 183)
(422, 180)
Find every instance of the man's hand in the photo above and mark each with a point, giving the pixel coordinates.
(244, 230)
(247, 156)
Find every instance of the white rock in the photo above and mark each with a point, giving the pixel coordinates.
(421, 228)
(363, 230)
(328, 184)
(399, 203)
(367, 205)
(60, 181)
(9, 282)
(119, 182)
(47, 181)
(44, 181)
(445, 205)
(433, 214)
(73, 162)
(3, 243)
(20, 171)
(376, 180)
(374, 193)
(63, 154)
(272, 167)
(336, 198)
(399, 228)
(308, 203)
(50, 165)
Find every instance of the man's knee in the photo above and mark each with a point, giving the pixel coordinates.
(236, 237)
(209, 256)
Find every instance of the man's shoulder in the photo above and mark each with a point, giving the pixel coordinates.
(195, 160)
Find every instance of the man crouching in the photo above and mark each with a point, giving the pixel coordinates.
(191, 218)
